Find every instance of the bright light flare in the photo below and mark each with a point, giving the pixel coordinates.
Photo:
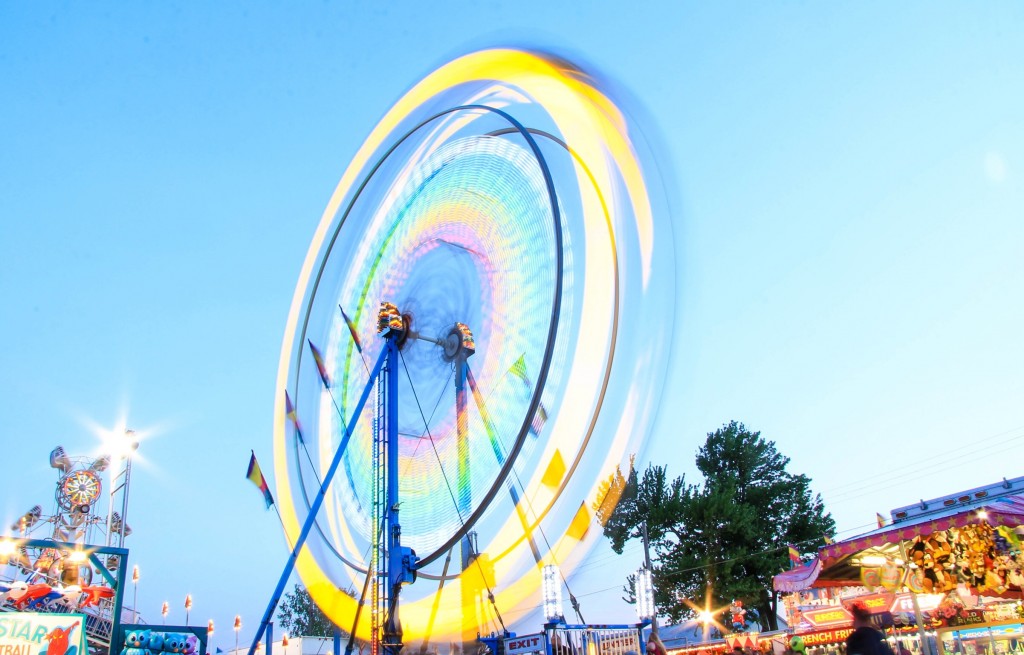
(7, 548)
(707, 614)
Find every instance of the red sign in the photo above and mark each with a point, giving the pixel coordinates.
(826, 617)
(525, 644)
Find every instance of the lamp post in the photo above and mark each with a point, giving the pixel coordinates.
(188, 606)
(644, 595)
(209, 634)
(164, 610)
(650, 583)
(238, 627)
(551, 593)
(135, 594)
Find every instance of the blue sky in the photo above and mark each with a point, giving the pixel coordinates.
(849, 234)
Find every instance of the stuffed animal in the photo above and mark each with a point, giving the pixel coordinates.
(174, 642)
(136, 642)
(739, 615)
(33, 593)
(191, 644)
(156, 643)
(797, 644)
(44, 600)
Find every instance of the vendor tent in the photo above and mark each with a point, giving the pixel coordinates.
(838, 564)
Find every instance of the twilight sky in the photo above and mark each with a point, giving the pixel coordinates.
(849, 238)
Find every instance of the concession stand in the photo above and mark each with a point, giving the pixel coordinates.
(945, 576)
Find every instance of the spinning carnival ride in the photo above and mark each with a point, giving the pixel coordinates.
(476, 343)
(51, 563)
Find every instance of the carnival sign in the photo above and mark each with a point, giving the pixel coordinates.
(826, 637)
(24, 633)
(526, 644)
(826, 617)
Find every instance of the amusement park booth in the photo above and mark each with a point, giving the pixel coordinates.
(938, 566)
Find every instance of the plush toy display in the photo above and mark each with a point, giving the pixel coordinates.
(797, 644)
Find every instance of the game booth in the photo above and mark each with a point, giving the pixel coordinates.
(945, 576)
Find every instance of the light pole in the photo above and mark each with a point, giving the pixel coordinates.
(650, 583)
(135, 594)
(551, 593)
(238, 627)
(164, 610)
(188, 606)
(209, 635)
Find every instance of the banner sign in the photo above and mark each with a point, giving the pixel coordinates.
(25, 633)
(826, 637)
(524, 644)
(824, 617)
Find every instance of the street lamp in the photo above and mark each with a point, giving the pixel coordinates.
(551, 593)
(135, 594)
(238, 626)
(164, 610)
(188, 606)
(209, 630)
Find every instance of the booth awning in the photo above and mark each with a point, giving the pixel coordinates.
(832, 565)
(1007, 510)
(800, 578)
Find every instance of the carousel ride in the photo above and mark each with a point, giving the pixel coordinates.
(73, 559)
(475, 348)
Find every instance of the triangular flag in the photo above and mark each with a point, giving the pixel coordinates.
(256, 476)
(518, 369)
(318, 359)
(351, 330)
(289, 412)
(881, 520)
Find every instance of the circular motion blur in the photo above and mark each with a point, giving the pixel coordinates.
(482, 316)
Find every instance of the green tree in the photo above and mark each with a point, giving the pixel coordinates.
(300, 616)
(722, 540)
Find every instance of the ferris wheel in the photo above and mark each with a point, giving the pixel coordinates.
(488, 288)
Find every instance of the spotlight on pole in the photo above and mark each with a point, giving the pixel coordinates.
(551, 590)
(644, 594)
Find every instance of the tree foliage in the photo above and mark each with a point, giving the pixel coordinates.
(300, 616)
(722, 540)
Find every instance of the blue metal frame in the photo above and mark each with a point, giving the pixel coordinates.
(318, 501)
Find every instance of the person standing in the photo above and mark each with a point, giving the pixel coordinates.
(865, 638)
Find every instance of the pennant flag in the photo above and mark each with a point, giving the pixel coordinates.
(580, 523)
(352, 330)
(289, 412)
(518, 369)
(881, 520)
(794, 556)
(539, 419)
(219, 650)
(555, 471)
(320, 367)
(256, 476)
(829, 540)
